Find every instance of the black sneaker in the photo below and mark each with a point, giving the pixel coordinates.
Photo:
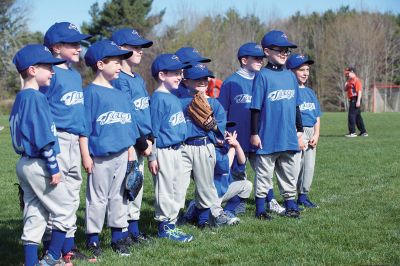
(121, 248)
(292, 213)
(75, 254)
(94, 249)
(142, 238)
(264, 216)
(204, 226)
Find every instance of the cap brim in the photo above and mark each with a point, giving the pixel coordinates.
(144, 43)
(199, 76)
(230, 124)
(198, 60)
(76, 38)
(123, 54)
(283, 44)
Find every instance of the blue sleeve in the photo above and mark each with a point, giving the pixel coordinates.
(296, 88)
(156, 116)
(88, 114)
(224, 96)
(317, 106)
(220, 116)
(259, 88)
(122, 85)
(49, 156)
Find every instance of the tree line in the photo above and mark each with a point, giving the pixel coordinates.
(368, 41)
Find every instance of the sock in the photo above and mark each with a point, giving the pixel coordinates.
(116, 234)
(260, 206)
(291, 205)
(69, 244)
(92, 238)
(203, 215)
(31, 254)
(56, 243)
(232, 204)
(133, 227)
(270, 195)
(302, 197)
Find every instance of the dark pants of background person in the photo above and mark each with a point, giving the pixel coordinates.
(355, 117)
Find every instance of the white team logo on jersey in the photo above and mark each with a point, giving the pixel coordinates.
(112, 117)
(73, 27)
(242, 98)
(280, 95)
(141, 103)
(72, 97)
(307, 106)
(177, 119)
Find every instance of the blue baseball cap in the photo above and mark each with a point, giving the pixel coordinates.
(296, 60)
(191, 55)
(197, 71)
(167, 62)
(33, 54)
(250, 49)
(102, 49)
(130, 37)
(276, 38)
(63, 32)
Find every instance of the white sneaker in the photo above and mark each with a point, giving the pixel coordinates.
(351, 135)
(273, 206)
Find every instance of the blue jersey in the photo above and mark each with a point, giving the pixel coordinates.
(167, 119)
(135, 88)
(65, 98)
(222, 172)
(31, 124)
(110, 126)
(235, 97)
(194, 131)
(309, 107)
(181, 91)
(276, 95)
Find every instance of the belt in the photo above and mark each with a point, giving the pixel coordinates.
(198, 141)
(174, 147)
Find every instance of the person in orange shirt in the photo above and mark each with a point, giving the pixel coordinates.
(353, 87)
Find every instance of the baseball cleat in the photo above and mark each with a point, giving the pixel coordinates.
(303, 200)
(264, 216)
(48, 260)
(241, 208)
(365, 134)
(75, 254)
(171, 232)
(274, 207)
(351, 135)
(225, 218)
(121, 248)
(94, 249)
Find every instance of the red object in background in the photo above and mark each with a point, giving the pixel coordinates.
(214, 86)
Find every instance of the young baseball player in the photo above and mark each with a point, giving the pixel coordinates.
(134, 86)
(188, 55)
(34, 137)
(169, 129)
(235, 97)
(276, 128)
(230, 192)
(110, 133)
(199, 152)
(310, 115)
(65, 96)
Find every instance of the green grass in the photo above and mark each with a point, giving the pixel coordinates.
(356, 185)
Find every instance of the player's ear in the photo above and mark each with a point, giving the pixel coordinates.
(100, 65)
(266, 51)
(56, 48)
(161, 75)
(31, 71)
(243, 60)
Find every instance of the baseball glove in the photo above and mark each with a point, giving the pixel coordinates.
(201, 112)
(20, 197)
(133, 180)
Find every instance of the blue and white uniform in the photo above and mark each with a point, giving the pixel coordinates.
(310, 111)
(134, 87)
(226, 186)
(111, 130)
(181, 91)
(34, 137)
(199, 157)
(169, 129)
(276, 95)
(65, 97)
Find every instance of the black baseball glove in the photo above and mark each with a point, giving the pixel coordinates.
(133, 180)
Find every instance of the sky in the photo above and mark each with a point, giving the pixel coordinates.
(43, 13)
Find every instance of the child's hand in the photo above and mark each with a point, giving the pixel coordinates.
(153, 167)
(231, 138)
(55, 179)
(87, 162)
(302, 145)
(313, 141)
(256, 141)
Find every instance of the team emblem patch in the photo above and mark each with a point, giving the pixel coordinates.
(284, 36)
(201, 66)
(174, 57)
(73, 27)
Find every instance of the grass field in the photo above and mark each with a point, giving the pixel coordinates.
(356, 185)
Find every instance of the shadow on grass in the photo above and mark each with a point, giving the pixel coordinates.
(11, 250)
